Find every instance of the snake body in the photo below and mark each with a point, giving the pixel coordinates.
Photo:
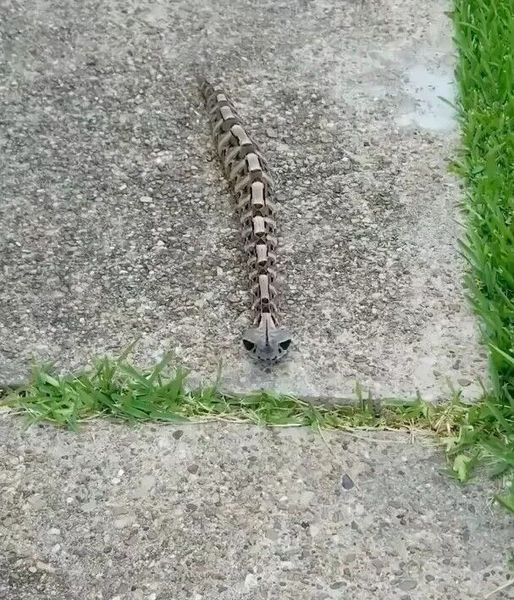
(247, 172)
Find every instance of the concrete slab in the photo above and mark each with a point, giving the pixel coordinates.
(230, 512)
(115, 221)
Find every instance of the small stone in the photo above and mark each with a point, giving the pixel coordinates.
(346, 163)
(54, 531)
(347, 482)
(408, 584)
(32, 570)
(37, 502)
(463, 381)
(89, 506)
(250, 581)
(337, 585)
(145, 199)
(125, 521)
(44, 567)
(178, 434)
(193, 469)
(271, 133)
(119, 509)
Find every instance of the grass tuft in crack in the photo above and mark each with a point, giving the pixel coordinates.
(118, 390)
(484, 37)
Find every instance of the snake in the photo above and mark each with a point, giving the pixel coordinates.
(250, 180)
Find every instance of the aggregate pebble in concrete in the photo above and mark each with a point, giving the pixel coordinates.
(229, 512)
(115, 221)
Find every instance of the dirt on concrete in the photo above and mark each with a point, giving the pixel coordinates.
(226, 512)
(116, 223)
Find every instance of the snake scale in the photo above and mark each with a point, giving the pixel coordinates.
(248, 174)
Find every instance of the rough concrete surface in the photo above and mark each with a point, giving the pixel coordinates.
(224, 512)
(115, 221)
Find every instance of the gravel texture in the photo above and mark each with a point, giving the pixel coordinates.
(228, 512)
(116, 224)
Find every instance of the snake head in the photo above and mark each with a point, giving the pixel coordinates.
(267, 342)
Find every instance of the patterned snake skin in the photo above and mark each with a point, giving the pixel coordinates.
(246, 170)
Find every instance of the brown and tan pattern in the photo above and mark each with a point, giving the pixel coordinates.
(247, 171)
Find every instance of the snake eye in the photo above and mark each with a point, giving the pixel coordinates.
(283, 346)
(250, 346)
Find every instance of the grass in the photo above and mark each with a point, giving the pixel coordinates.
(118, 390)
(485, 75)
(484, 37)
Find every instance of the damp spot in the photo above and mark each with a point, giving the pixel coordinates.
(427, 88)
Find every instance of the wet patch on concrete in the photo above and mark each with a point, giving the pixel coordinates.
(432, 91)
